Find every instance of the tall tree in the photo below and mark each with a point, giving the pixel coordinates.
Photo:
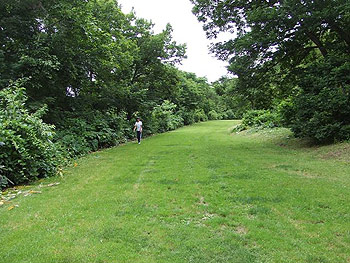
(283, 48)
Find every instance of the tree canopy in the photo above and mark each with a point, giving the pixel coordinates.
(288, 49)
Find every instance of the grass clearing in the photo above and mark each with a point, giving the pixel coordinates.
(197, 194)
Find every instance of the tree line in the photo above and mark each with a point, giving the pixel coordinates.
(75, 74)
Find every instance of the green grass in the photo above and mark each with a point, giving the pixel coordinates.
(198, 194)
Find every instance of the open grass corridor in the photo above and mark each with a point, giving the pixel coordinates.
(197, 194)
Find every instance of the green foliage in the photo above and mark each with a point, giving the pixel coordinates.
(286, 109)
(323, 117)
(187, 116)
(232, 104)
(229, 115)
(320, 110)
(199, 115)
(213, 115)
(259, 119)
(291, 52)
(164, 117)
(27, 150)
(94, 130)
(3, 179)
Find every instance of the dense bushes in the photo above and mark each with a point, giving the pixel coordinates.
(261, 118)
(229, 115)
(321, 108)
(187, 116)
(323, 117)
(27, 150)
(30, 149)
(199, 115)
(3, 179)
(213, 115)
(92, 131)
(164, 117)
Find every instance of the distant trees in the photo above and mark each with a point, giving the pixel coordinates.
(294, 50)
(84, 53)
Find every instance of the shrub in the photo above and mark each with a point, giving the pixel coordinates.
(323, 117)
(286, 110)
(213, 115)
(199, 115)
(187, 116)
(27, 150)
(164, 117)
(92, 131)
(3, 179)
(321, 109)
(261, 118)
(230, 115)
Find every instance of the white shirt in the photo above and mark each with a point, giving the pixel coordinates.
(138, 125)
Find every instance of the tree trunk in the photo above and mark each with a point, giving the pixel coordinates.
(342, 34)
(317, 42)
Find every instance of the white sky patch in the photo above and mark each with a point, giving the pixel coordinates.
(187, 30)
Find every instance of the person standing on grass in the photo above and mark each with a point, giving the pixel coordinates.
(138, 129)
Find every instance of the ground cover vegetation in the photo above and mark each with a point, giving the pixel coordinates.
(291, 57)
(197, 194)
(74, 75)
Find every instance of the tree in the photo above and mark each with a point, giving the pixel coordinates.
(278, 47)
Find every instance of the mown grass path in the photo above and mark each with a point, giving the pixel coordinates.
(197, 194)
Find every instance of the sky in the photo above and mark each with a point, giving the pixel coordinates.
(187, 30)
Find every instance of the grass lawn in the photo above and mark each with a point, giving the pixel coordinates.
(198, 194)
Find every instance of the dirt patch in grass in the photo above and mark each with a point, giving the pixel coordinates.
(291, 170)
(339, 152)
(284, 138)
(241, 230)
(202, 201)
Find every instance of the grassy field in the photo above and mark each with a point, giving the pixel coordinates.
(198, 194)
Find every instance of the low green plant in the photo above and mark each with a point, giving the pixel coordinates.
(3, 179)
(187, 116)
(165, 118)
(229, 115)
(261, 118)
(199, 115)
(27, 150)
(320, 109)
(213, 115)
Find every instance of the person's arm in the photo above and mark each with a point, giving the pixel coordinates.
(135, 127)
(141, 128)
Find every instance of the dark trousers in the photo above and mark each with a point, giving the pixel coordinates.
(139, 136)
